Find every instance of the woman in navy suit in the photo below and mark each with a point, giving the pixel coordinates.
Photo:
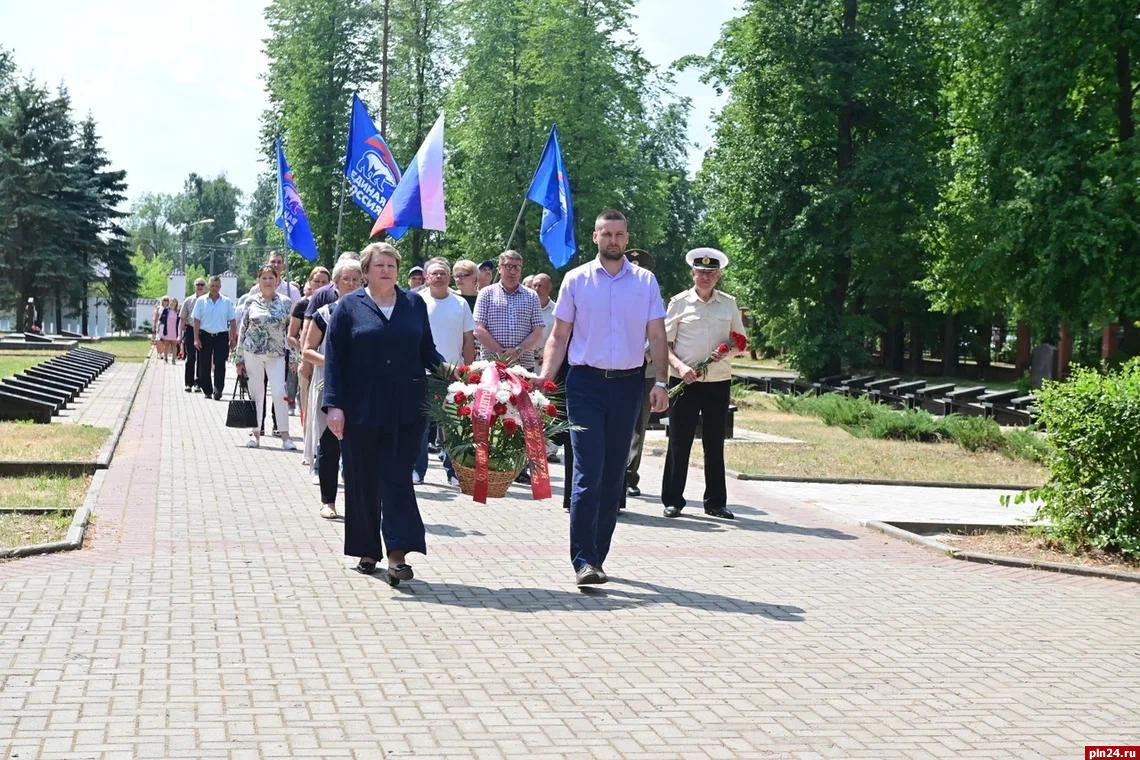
(378, 349)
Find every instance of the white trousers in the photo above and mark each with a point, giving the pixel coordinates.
(257, 366)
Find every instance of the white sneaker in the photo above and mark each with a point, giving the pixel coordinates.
(288, 445)
(453, 481)
(316, 480)
(416, 479)
(252, 443)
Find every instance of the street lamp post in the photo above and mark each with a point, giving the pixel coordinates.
(186, 234)
(223, 241)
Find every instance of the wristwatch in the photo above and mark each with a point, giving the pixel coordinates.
(660, 384)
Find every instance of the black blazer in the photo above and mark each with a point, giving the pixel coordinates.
(374, 367)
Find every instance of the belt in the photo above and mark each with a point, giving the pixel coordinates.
(610, 374)
(205, 332)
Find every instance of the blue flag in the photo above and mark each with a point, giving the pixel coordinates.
(550, 189)
(290, 214)
(369, 167)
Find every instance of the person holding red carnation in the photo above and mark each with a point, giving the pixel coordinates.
(698, 326)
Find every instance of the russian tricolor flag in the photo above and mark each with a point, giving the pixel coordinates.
(417, 200)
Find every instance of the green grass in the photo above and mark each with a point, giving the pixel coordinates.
(831, 451)
(12, 362)
(124, 349)
(860, 417)
(27, 442)
(22, 529)
(43, 491)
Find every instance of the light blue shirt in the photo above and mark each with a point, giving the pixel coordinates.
(214, 316)
(610, 314)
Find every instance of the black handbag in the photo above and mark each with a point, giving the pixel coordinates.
(241, 412)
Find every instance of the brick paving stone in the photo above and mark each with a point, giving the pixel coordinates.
(211, 614)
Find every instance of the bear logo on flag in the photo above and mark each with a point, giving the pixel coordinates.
(374, 169)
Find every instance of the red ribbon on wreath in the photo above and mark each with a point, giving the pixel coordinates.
(483, 417)
(533, 437)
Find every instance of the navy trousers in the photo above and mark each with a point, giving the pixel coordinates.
(707, 402)
(378, 496)
(191, 356)
(606, 410)
(212, 361)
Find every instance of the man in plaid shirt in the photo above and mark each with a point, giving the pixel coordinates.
(508, 317)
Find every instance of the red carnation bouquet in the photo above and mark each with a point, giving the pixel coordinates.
(496, 418)
(738, 342)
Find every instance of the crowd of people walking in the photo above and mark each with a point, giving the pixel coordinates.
(348, 353)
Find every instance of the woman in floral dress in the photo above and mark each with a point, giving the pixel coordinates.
(261, 352)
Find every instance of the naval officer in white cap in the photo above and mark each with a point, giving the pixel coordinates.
(697, 322)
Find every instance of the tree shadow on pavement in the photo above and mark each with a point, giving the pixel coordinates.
(614, 596)
(694, 519)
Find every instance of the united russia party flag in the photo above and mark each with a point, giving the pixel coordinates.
(418, 200)
(290, 214)
(369, 167)
(550, 188)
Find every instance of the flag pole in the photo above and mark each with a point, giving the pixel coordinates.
(339, 220)
(518, 219)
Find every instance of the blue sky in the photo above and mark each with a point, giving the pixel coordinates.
(175, 85)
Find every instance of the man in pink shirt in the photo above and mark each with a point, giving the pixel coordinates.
(610, 307)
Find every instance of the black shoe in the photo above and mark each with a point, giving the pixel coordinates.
(523, 477)
(365, 568)
(189, 389)
(672, 511)
(720, 512)
(218, 396)
(197, 389)
(553, 458)
(633, 491)
(588, 575)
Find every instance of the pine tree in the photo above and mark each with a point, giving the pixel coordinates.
(104, 242)
(37, 196)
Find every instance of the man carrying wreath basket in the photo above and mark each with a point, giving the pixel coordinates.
(703, 328)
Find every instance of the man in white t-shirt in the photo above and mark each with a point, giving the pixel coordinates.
(542, 285)
(453, 329)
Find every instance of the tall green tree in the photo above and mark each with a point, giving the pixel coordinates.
(202, 198)
(1040, 217)
(495, 139)
(101, 242)
(151, 225)
(320, 52)
(823, 171)
(37, 157)
(530, 64)
(595, 85)
(421, 44)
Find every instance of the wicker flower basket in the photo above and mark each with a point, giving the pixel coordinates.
(497, 481)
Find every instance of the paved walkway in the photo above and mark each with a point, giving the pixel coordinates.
(212, 615)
